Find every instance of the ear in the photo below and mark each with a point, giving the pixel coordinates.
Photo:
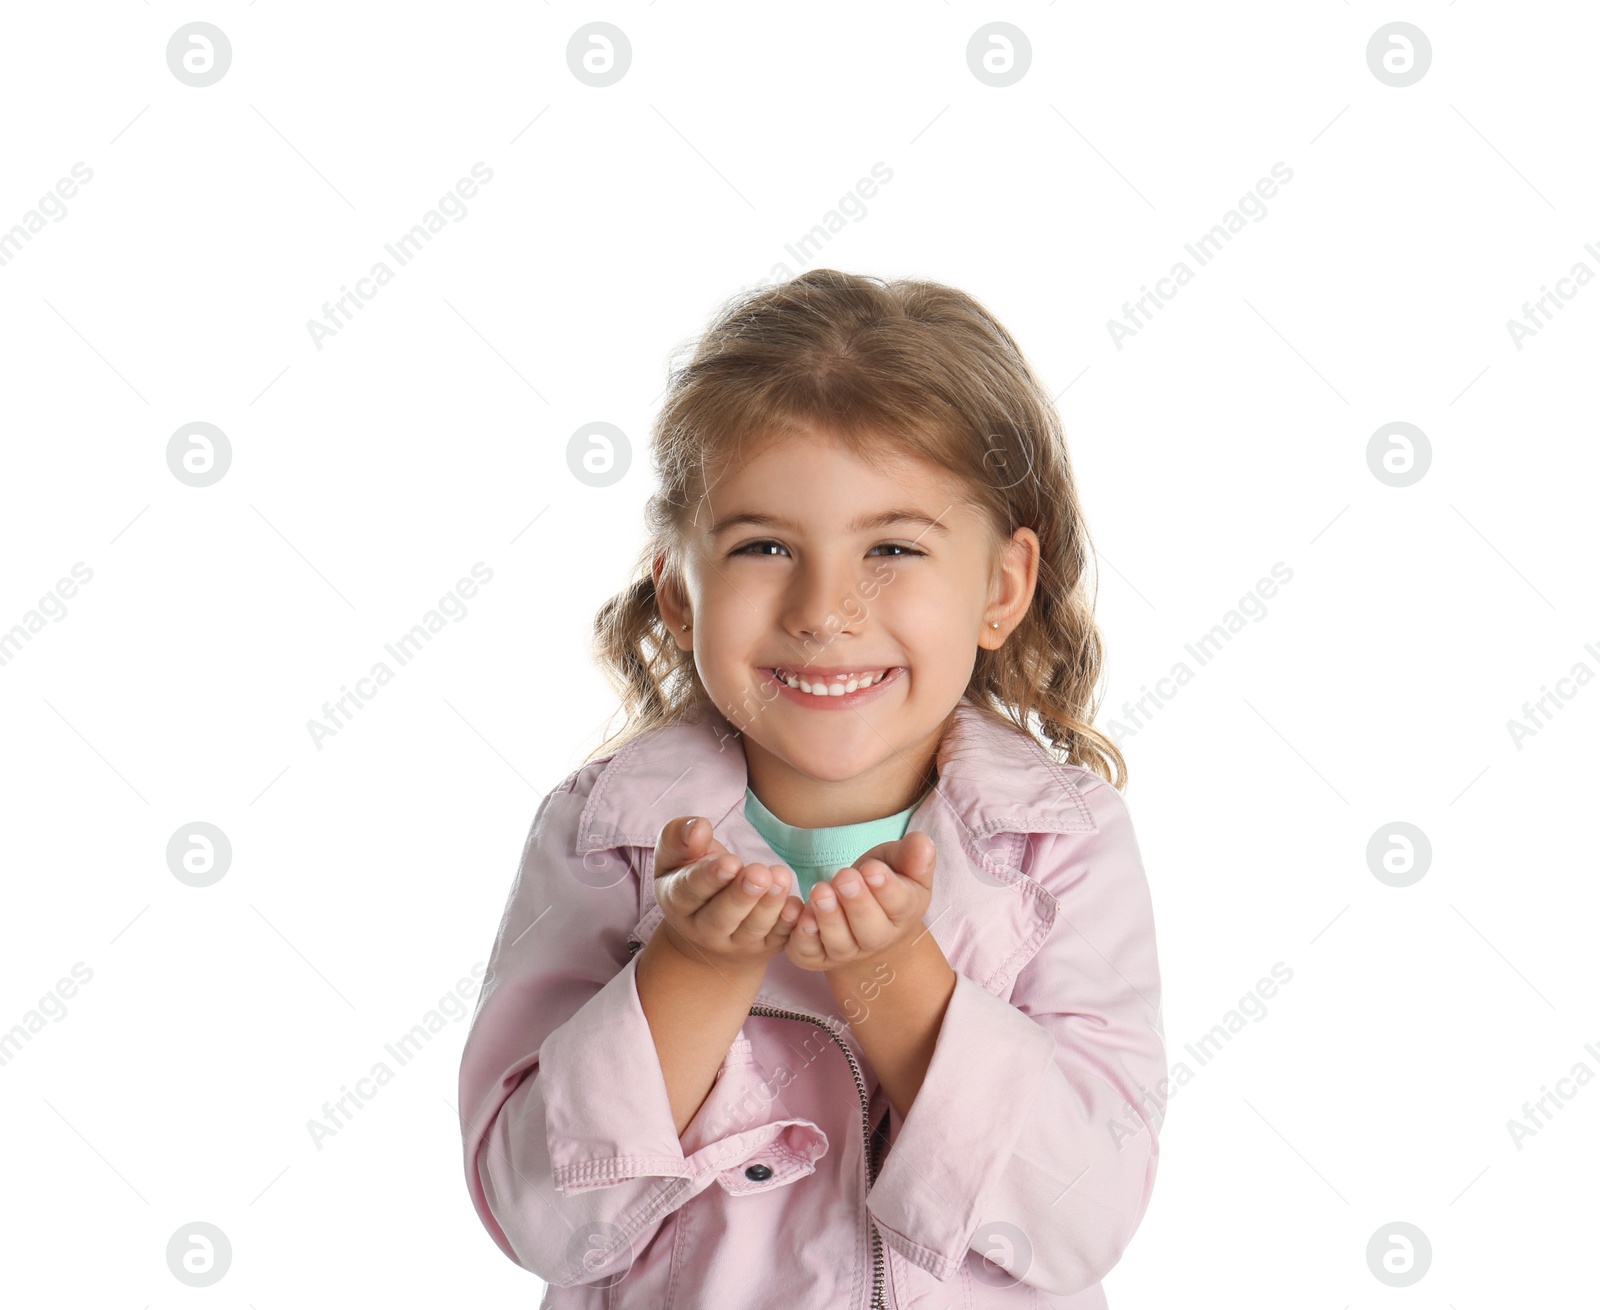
(1013, 588)
(674, 613)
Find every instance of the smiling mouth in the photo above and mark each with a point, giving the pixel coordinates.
(833, 684)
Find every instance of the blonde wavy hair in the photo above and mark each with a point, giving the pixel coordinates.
(928, 370)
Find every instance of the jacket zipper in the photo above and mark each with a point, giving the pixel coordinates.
(878, 1301)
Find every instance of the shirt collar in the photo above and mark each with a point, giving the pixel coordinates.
(836, 844)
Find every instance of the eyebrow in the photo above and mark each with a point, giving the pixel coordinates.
(882, 519)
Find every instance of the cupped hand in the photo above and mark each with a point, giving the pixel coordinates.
(717, 909)
(869, 909)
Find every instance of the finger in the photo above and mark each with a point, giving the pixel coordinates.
(804, 946)
(725, 912)
(913, 856)
(697, 884)
(833, 929)
(895, 895)
(869, 925)
(788, 916)
(768, 905)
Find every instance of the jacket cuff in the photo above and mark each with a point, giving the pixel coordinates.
(931, 1194)
(608, 1118)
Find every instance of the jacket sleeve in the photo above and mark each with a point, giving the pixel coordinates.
(1033, 1138)
(572, 1157)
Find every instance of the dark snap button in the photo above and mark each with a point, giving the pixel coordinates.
(758, 1172)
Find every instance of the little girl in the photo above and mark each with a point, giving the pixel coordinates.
(826, 983)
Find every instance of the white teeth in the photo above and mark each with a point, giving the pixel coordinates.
(852, 683)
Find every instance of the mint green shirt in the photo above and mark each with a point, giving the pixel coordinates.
(816, 854)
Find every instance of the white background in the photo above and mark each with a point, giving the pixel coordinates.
(369, 475)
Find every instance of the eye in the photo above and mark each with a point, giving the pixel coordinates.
(757, 548)
(754, 548)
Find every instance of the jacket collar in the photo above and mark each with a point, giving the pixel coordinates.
(993, 778)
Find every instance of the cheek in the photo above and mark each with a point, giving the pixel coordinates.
(924, 603)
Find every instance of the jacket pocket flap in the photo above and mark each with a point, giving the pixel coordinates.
(773, 1155)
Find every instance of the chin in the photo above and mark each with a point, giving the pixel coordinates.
(848, 756)
(830, 768)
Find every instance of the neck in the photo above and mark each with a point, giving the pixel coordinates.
(802, 801)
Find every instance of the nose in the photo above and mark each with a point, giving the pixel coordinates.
(822, 601)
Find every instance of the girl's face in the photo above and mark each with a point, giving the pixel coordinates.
(806, 560)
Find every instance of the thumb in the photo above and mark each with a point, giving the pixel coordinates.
(683, 841)
(918, 855)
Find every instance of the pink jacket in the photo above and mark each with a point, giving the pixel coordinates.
(796, 1185)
